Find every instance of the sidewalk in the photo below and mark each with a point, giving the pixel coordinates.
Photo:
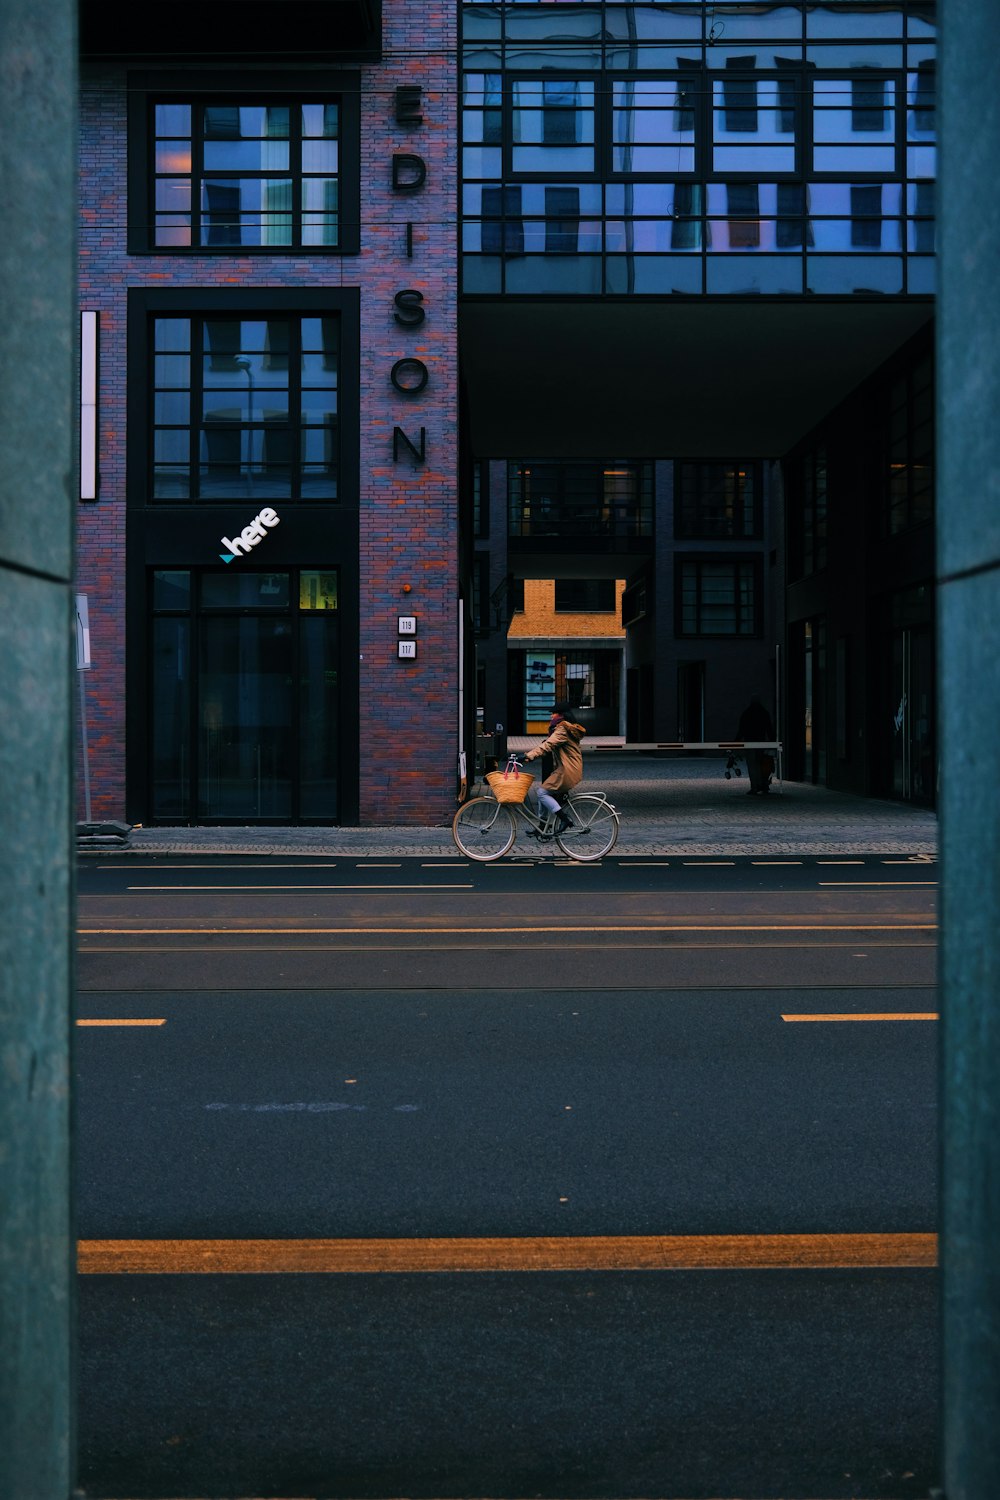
(668, 806)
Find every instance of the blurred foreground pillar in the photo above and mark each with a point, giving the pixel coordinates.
(968, 512)
(37, 380)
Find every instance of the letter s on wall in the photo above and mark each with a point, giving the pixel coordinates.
(409, 313)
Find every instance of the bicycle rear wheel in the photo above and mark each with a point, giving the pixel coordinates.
(594, 830)
(483, 828)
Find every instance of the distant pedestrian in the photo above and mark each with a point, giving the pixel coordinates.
(755, 724)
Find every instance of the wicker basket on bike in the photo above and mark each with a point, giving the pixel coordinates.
(510, 786)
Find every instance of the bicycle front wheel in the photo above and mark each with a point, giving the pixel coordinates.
(483, 828)
(594, 829)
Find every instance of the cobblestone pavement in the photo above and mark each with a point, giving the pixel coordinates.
(668, 806)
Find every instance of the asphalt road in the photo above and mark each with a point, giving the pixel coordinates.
(418, 1177)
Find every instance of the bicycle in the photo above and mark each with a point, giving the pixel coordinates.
(485, 828)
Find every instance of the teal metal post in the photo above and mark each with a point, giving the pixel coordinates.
(969, 673)
(37, 381)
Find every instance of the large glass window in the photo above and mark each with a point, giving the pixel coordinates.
(654, 124)
(717, 596)
(553, 125)
(245, 408)
(582, 499)
(253, 176)
(854, 126)
(754, 121)
(717, 500)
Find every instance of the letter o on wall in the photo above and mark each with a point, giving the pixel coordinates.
(409, 376)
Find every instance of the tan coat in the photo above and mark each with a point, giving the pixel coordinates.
(563, 744)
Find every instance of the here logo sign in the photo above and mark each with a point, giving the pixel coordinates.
(250, 535)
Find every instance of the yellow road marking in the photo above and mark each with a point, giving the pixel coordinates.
(158, 1021)
(534, 1253)
(521, 931)
(890, 1015)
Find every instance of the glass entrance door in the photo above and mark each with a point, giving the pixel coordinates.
(913, 750)
(245, 719)
(245, 731)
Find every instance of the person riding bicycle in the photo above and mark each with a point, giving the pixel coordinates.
(563, 743)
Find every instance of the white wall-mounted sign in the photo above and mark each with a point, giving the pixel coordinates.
(88, 406)
(406, 650)
(82, 632)
(407, 624)
(250, 535)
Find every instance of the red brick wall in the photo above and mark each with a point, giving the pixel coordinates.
(409, 513)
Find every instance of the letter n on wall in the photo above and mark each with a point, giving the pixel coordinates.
(399, 437)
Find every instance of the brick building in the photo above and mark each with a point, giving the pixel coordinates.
(270, 255)
(392, 312)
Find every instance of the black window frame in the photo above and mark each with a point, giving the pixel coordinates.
(686, 472)
(551, 514)
(734, 561)
(145, 304)
(146, 90)
(585, 596)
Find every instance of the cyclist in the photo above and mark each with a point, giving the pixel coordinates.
(563, 743)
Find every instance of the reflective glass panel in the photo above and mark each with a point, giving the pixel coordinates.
(319, 699)
(861, 19)
(317, 590)
(171, 588)
(522, 58)
(563, 23)
(653, 125)
(173, 156)
(748, 275)
(170, 705)
(553, 125)
(232, 184)
(320, 120)
(770, 55)
(245, 740)
(244, 590)
(858, 110)
(172, 119)
(731, 22)
(653, 274)
(580, 274)
(648, 23)
(835, 273)
(856, 55)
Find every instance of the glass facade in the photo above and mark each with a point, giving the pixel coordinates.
(697, 147)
